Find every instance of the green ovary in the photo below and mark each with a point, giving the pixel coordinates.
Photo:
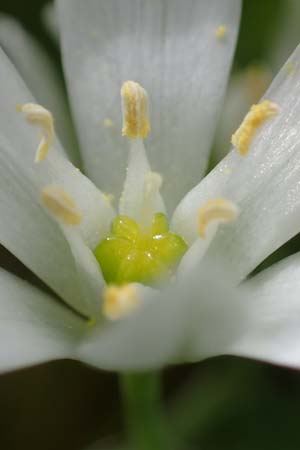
(129, 254)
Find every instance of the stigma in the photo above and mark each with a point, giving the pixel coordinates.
(257, 115)
(41, 117)
(120, 301)
(61, 205)
(135, 110)
(215, 212)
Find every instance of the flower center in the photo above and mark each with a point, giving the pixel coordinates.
(142, 250)
(131, 253)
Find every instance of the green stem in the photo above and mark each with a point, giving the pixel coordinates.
(144, 418)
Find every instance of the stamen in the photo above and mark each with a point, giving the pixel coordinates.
(221, 32)
(257, 115)
(61, 205)
(40, 116)
(135, 110)
(153, 182)
(119, 301)
(215, 211)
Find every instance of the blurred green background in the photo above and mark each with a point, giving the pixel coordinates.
(224, 403)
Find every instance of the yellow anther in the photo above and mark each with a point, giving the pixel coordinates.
(257, 115)
(61, 205)
(119, 301)
(108, 123)
(221, 32)
(135, 110)
(40, 116)
(217, 211)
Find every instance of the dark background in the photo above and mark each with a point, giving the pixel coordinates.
(224, 403)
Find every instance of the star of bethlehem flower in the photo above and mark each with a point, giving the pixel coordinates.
(147, 286)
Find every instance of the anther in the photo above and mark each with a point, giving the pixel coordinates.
(119, 301)
(135, 110)
(257, 115)
(40, 116)
(216, 211)
(61, 205)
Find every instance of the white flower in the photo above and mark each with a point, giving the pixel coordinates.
(180, 52)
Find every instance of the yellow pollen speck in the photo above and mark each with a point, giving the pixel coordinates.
(227, 170)
(40, 116)
(108, 197)
(61, 205)
(119, 301)
(257, 115)
(221, 32)
(218, 210)
(91, 323)
(135, 110)
(108, 123)
(290, 68)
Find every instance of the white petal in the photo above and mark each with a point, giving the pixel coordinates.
(204, 317)
(41, 77)
(34, 327)
(89, 280)
(171, 49)
(193, 256)
(25, 228)
(264, 184)
(272, 315)
(158, 333)
(149, 338)
(263, 323)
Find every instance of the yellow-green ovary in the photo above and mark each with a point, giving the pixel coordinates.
(129, 254)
